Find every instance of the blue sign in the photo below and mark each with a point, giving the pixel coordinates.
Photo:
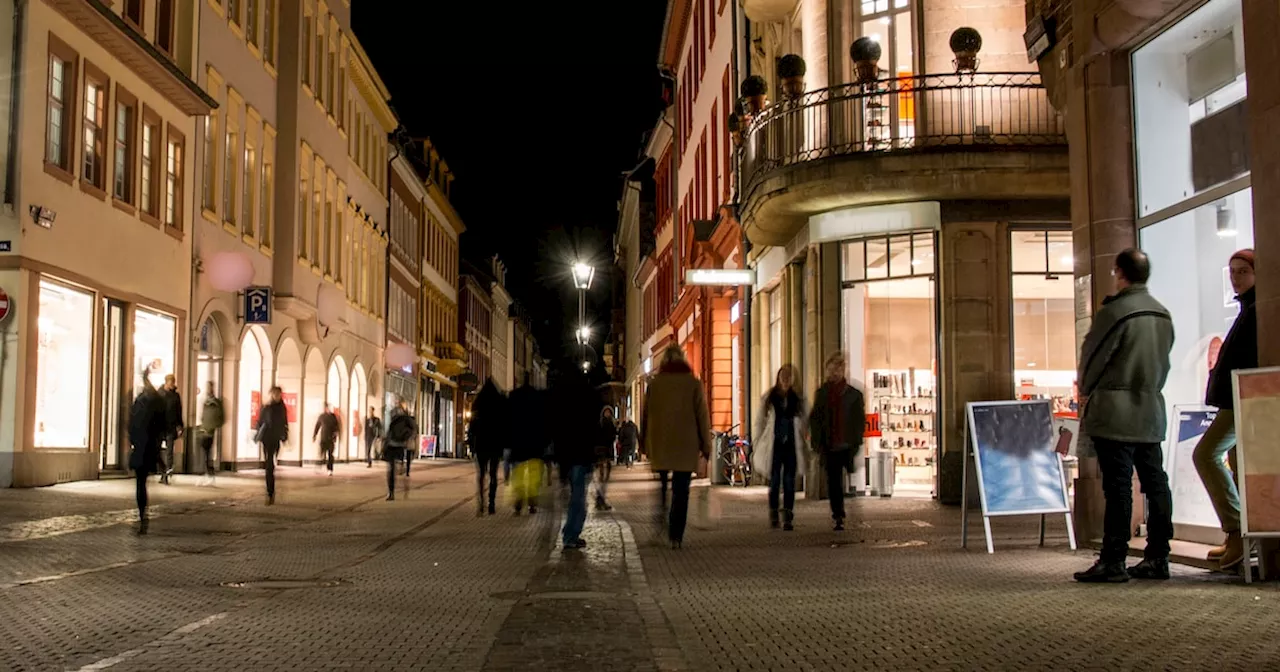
(257, 305)
(1019, 471)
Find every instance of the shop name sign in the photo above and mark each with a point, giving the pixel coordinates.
(720, 276)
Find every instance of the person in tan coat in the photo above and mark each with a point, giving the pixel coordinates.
(676, 433)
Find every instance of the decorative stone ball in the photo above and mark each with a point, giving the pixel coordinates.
(329, 305)
(229, 271)
(400, 355)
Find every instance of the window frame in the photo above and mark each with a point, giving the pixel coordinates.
(123, 97)
(96, 184)
(62, 167)
(267, 179)
(211, 168)
(174, 171)
(306, 162)
(316, 252)
(170, 31)
(253, 25)
(149, 166)
(270, 34)
(232, 147)
(141, 19)
(307, 48)
(251, 164)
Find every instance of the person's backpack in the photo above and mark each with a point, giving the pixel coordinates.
(402, 430)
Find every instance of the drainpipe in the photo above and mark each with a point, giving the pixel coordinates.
(745, 244)
(15, 105)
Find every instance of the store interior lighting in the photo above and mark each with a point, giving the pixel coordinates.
(1226, 223)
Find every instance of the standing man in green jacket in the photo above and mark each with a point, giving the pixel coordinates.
(212, 418)
(1124, 363)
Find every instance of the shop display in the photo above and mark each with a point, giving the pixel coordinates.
(904, 404)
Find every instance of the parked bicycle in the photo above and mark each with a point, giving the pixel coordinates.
(735, 458)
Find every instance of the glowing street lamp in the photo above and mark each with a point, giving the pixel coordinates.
(584, 334)
(582, 275)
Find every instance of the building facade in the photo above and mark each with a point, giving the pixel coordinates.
(1171, 141)
(626, 258)
(98, 156)
(443, 356)
(404, 285)
(910, 208)
(502, 339)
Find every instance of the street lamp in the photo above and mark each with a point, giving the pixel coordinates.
(582, 275)
(584, 334)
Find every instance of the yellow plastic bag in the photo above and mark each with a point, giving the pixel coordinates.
(526, 481)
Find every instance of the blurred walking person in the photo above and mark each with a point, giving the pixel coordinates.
(676, 432)
(488, 433)
(575, 430)
(1124, 363)
(836, 426)
(212, 418)
(147, 428)
(326, 430)
(273, 430)
(606, 453)
(529, 441)
(372, 432)
(173, 424)
(628, 437)
(779, 445)
(402, 434)
(1239, 351)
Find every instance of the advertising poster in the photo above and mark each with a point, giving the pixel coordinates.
(1191, 505)
(1019, 469)
(1257, 393)
(291, 405)
(255, 408)
(428, 446)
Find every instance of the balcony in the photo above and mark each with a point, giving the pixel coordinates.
(928, 137)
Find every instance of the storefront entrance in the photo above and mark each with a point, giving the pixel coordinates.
(890, 336)
(115, 400)
(209, 370)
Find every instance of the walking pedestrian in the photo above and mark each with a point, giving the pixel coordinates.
(487, 433)
(372, 432)
(402, 433)
(147, 428)
(1239, 351)
(529, 443)
(779, 445)
(212, 418)
(173, 424)
(675, 429)
(628, 437)
(606, 442)
(327, 427)
(1124, 363)
(836, 426)
(576, 418)
(273, 430)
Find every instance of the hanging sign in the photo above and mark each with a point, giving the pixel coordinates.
(4, 306)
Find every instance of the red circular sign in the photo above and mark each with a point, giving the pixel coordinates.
(4, 305)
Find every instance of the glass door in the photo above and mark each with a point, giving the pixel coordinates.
(114, 400)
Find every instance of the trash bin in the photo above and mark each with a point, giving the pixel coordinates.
(716, 464)
(884, 471)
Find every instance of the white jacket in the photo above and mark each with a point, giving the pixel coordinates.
(762, 442)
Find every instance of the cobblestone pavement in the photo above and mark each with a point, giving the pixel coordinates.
(333, 578)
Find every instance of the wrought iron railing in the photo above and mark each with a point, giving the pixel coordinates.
(905, 113)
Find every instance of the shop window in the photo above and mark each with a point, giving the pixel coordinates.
(154, 347)
(1189, 102)
(1190, 276)
(1044, 342)
(64, 366)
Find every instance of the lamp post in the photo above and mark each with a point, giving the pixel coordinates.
(582, 275)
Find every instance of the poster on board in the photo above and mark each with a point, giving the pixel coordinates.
(1019, 470)
(1257, 398)
(1191, 505)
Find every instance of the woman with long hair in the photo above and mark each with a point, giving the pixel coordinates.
(779, 444)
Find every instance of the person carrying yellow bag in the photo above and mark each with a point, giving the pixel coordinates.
(529, 441)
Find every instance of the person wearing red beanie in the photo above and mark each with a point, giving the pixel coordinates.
(1239, 351)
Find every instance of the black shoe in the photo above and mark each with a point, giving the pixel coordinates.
(773, 519)
(839, 526)
(677, 544)
(518, 510)
(532, 509)
(1104, 572)
(391, 496)
(492, 509)
(1156, 570)
(788, 526)
(576, 543)
(271, 499)
(142, 527)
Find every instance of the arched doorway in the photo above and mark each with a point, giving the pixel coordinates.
(253, 379)
(313, 385)
(336, 395)
(209, 355)
(289, 378)
(357, 408)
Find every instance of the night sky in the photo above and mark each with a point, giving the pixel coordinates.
(538, 108)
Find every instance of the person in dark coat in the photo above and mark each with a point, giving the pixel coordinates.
(606, 453)
(487, 434)
(575, 419)
(372, 432)
(273, 430)
(402, 434)
(628, 439)
(173, 424)
(147, 428)
(1239, 351)
(836, 426)
(529, 443)
(1124, 364)
(327, 427)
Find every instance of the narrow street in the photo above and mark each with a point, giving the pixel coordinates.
(333, 577)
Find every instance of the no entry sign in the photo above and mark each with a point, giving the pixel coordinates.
(4, 306)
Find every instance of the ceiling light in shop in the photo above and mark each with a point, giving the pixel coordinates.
(1030, 364)
(1068, 260)
(1226, 223)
